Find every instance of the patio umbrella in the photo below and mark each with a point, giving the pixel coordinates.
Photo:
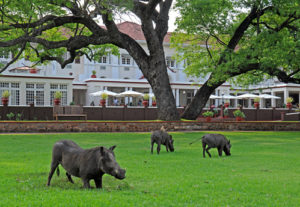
(228, 97)
(214, 97)
(99, 93)
(130, 93)
(268, 96)
(247, 96)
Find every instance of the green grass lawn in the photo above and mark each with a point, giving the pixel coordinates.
(263, 170)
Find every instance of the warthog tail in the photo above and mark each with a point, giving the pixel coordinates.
(57, 171)
(196, 140)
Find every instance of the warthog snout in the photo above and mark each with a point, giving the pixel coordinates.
(120, 174)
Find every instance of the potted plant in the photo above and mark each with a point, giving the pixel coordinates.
(153, 101)
(239, 115)
(32, 70)
(103, 99)
(146, 100)
(57, 97)
(226, 104)
(208, 115)
(289, 101)
(225, 112)
(5, 97)
(93, 74)
(256, 102)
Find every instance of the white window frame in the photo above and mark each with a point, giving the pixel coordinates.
(35, 93)
(125, 60)
(170, 62)
(103, 60)
(14, 90)
(63, 88)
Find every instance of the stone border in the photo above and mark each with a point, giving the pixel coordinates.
(120, 126)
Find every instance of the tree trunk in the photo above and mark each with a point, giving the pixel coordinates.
(159, 81)
(199, 101)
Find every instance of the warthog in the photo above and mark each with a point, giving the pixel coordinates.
(86, 164)
(161, 137)
(216, 141)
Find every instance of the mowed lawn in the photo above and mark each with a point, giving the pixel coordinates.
(264, 170)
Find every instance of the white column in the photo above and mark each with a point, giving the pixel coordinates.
(150, 98)
(285, 94)
(47, 94)
(177, 97)
(126, 98)
(273, 101)
(262, 102)
(235, 103)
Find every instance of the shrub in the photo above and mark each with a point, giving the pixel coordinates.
(94, 72)
(18, 116)
(225, 112)
(153, 98)
(238, 113)
(208, 114)
(10, 116)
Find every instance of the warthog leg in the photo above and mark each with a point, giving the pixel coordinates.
(53, 167)
(208, 148)
(152, 143)
(220, 151)
(69, 177)
(98, 182)
(86, 183)
(158, 147)
(203, 146)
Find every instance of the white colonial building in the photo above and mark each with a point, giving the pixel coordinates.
(117, 74)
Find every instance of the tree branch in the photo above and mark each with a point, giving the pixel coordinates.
(14, 59)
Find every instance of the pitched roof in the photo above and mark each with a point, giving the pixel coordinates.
(135, 31)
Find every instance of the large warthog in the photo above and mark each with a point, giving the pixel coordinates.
(86, 164)
(161, 137)
(218, 141)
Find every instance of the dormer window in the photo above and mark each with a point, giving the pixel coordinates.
(103, 59)
(125, 60)
(170, 63)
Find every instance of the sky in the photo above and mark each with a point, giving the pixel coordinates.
(172, 17)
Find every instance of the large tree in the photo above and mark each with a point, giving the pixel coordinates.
(44, 30)
(245, 41)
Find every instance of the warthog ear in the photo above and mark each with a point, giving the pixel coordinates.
(229, 141)
(112, 148)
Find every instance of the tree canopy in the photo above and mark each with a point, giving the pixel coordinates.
(43, 30)
(245, 42)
